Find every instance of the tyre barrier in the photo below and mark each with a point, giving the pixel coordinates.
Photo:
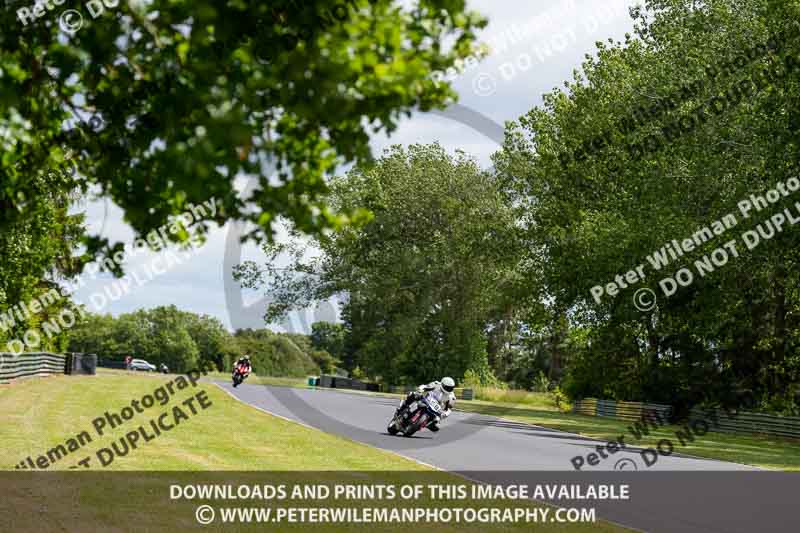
(81, 364)
(338, 382)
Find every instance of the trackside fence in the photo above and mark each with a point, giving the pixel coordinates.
(620, 410)
(748, 422)
(25, 365)
(460, 392)
(31, 364)
(717, 419)
(338, 382)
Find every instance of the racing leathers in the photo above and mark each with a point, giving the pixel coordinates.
(434, 389)
(247, 365)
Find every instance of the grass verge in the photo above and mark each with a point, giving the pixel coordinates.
(38, 414)
(539, 409)
(757, 450)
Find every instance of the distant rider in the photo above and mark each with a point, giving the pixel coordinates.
(441, 391)
(244, 363)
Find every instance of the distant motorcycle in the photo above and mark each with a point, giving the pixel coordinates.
(415, 417)
(240, 374)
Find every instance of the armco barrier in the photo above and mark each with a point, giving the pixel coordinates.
(464, 394)
(715, 419)
(586, 407)
(337, 382)
(31, 364)
(747, 422)
(461, 393)
(620, 410)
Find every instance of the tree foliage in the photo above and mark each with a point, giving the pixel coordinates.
(329, 338)
(185, 341)
(276, 354)
(187, 96)
(425, 277)
(592, 218)
(37, 253)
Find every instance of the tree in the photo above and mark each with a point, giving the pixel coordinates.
(159, 335)
(185, 97)
(37, 254)
(96, 334)
(274, 354)
(656, 138)
(329, 338)
(212, 339)
(424, 277)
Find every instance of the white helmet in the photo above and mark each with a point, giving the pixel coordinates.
(448, 384)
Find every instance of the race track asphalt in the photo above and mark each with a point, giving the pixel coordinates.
(676, 494)
(466, 441)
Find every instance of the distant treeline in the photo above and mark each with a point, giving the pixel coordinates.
(184, 340)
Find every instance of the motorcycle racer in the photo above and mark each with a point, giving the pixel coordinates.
(441, 391)
(243, 361)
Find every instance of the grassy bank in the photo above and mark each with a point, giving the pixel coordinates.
(540, 409)
(38, 414)
(758, 450)
(226, 435)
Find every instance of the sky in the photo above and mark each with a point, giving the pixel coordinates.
(534, 47)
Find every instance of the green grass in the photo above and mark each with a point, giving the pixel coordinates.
(38, 414)
(757, 450)
(254, 379)
(540, 409)
(515, 397)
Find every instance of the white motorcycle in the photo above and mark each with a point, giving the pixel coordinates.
(416, 416)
